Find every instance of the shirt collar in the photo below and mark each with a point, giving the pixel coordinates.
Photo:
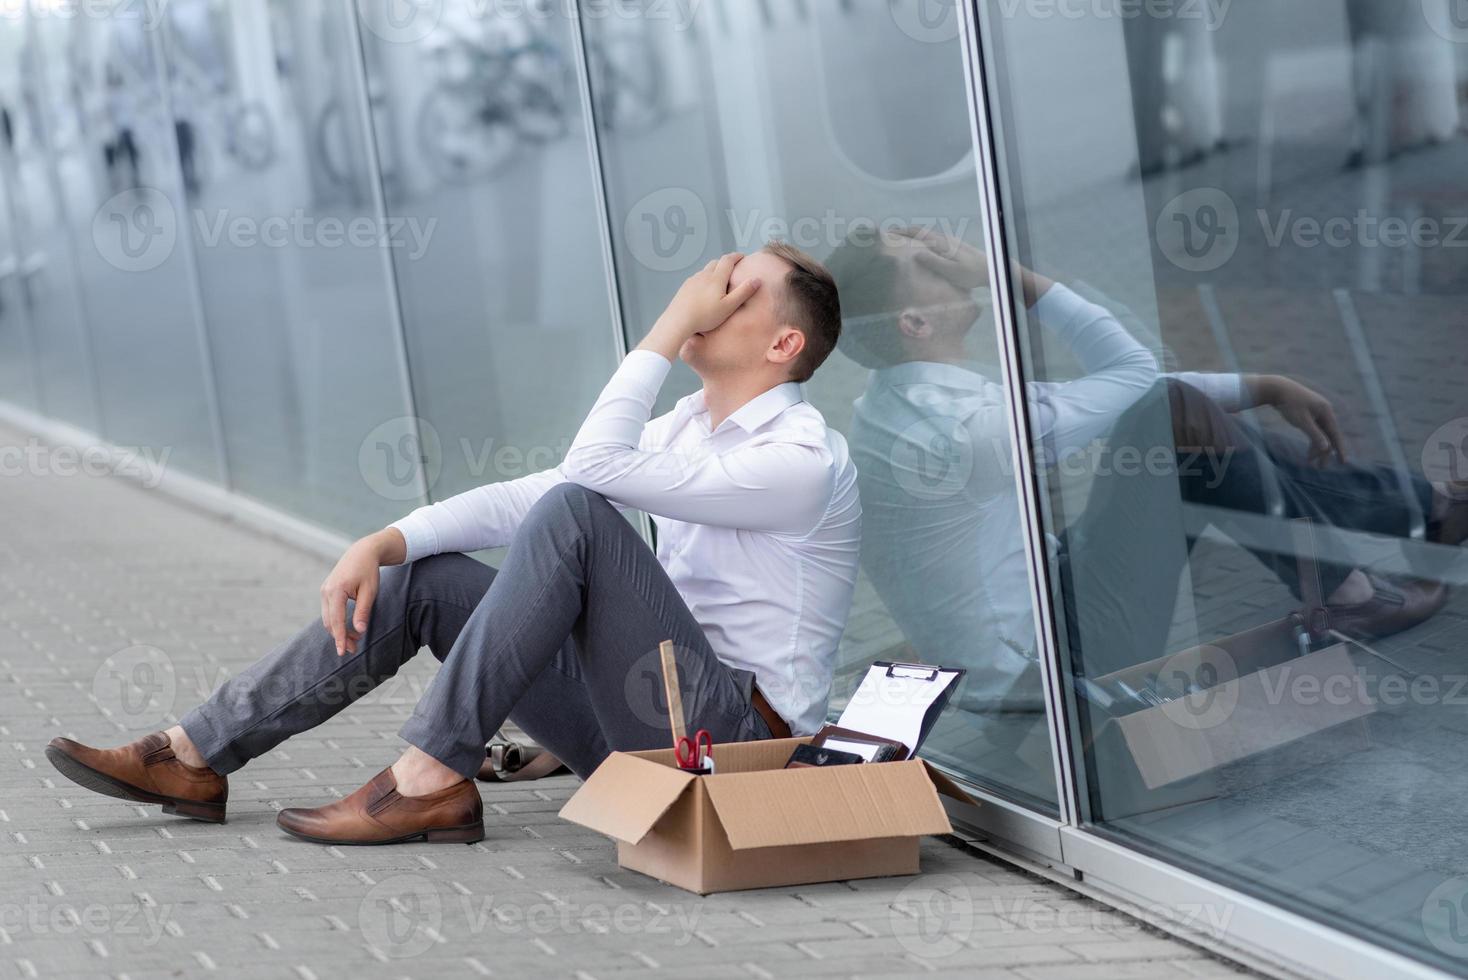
(930, 372)
(759, 409)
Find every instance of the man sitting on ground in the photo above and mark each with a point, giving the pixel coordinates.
(759, 525)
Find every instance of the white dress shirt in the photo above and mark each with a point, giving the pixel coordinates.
(758, 521)
(942, 541)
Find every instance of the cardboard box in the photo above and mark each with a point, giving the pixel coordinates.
(1267, 695)
(755, 824)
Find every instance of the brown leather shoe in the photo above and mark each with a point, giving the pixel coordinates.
(1399, 603)
(378, 814)
(144, 771)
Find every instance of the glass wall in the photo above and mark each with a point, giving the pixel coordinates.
(485, 161)
(290, 249)
(40, 271)
(1240, 229)
(724, 126)
(114, 161)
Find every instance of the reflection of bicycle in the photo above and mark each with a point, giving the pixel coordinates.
(626, 83)
(488, 102)
(334, 143)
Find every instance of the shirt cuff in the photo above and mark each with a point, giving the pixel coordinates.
(1226, 390)
(418, 534)
(644, 368)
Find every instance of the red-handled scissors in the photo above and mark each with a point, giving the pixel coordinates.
(696, 753)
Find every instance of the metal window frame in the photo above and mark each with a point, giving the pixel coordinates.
(1105, 863)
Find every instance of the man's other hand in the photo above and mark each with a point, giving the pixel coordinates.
(356, 577)
(1305, 409)
(702, 303)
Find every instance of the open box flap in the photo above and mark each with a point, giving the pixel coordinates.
(816, 805)
(626, 796)
(948, 787)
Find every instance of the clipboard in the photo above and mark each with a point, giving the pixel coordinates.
(900, 702)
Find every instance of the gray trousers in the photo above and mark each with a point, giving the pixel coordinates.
(562, 640)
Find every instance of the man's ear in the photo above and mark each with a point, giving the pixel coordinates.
(788, 344)
(914, 325)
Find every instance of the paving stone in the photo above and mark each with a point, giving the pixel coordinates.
(96, 887)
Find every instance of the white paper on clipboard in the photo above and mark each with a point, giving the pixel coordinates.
(893, 701)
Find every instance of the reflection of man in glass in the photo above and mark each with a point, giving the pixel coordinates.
(941, 540)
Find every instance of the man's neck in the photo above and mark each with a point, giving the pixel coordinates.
(723, 397)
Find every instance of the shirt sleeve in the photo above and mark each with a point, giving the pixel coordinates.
(1118, 370)
(485, 517)
(761, 486)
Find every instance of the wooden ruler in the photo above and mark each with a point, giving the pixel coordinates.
(675, 696)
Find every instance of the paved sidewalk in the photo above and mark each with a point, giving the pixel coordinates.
(119, 608)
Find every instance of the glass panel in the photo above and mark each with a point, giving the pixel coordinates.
(117, 168)
(485, 161)
(751, 121)
(37, 275)
(17, 364)
(1246, 384)
(30, 115)
(288, 248)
